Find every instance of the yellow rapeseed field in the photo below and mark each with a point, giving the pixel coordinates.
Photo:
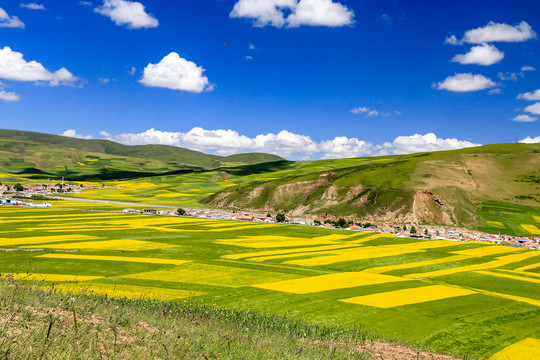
(495, 224)
(214, 275)
(115, 258)
(328, 282)
(536, 218)
(121, 244)
(257, 254)
(409, 296)
(526, 349)
(501, 261)
(51, 277)
(129, 291)
(531, 229)
(508, 276)
(383, 269)
(487, 250)
(522, 273)
(31, 240)
(301, 252)
(258, 242)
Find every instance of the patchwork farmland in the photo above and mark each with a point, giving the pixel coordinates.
(475, 299)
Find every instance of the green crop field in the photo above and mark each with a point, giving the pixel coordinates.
(472, 299)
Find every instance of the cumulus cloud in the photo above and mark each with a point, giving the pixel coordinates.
(14, 67)
(494, 32)
(285, 143)
(465, 82)
(73, 133)
(9, 96)
(360, 110)
(530, 140)
(527, 68)
(33, 6)
(508, 76)
(427, 142)
(480, 55)
(373, 112)
(531, 96)
(533, 109)
(174, 72)
(525, 118)
(293, 13)
(9, 21)
(129, 13)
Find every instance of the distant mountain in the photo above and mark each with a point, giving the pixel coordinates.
(25, 151)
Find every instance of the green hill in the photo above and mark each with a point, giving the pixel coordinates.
(24, 152)
(464, 187)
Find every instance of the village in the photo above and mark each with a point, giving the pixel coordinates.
(427, 232)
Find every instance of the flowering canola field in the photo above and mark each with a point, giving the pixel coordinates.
(476, 298)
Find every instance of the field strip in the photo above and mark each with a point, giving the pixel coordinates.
(403, 297)
(522, 273)
(504, 260)
(76, 215)
(51, 277)
(495, 224)
(129, 291)
(314, 271)
(487, 251)
(328, 282)
(382, 269)
(510, 297)
(425, 245)
(115, 258)
(531, 229)
(121, 244)
(214, 275)
(370, 237)
(361, 253)
(55, 219)
(44, 239)
(514, 277)
(252, 255)
(536, 218)
(529, 267)
(261, 242)
(303, 253)
(526, 349)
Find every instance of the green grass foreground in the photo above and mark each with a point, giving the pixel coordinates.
(38, 324)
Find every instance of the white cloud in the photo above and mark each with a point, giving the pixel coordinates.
(525, 118)
(480, 55)
(9, 21)
(73, 133)
(533, 109)
(320, 13)
(174, 72)
(249, 57)
(300, 12)
(14, 67)
(85, 3)
(9, 96)
(33, 6)
(465, 83)
(530, 140)
(285, 143)
(372, 113)
(359, 110)
(527, 68)
(129, 13)
(427, 142)
(494, 32)
(251, 46)
(508, 76)
(532, 96)
(494, 91)
(132, 70)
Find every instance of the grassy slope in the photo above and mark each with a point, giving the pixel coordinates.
(38, 324)
(172, 156)
(384, 188)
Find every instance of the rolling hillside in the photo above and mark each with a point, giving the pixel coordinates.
(54, 155)
(461, 188)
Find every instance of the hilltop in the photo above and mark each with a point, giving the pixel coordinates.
(55, 155)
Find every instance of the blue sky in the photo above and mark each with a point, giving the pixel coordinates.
(304, 79)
